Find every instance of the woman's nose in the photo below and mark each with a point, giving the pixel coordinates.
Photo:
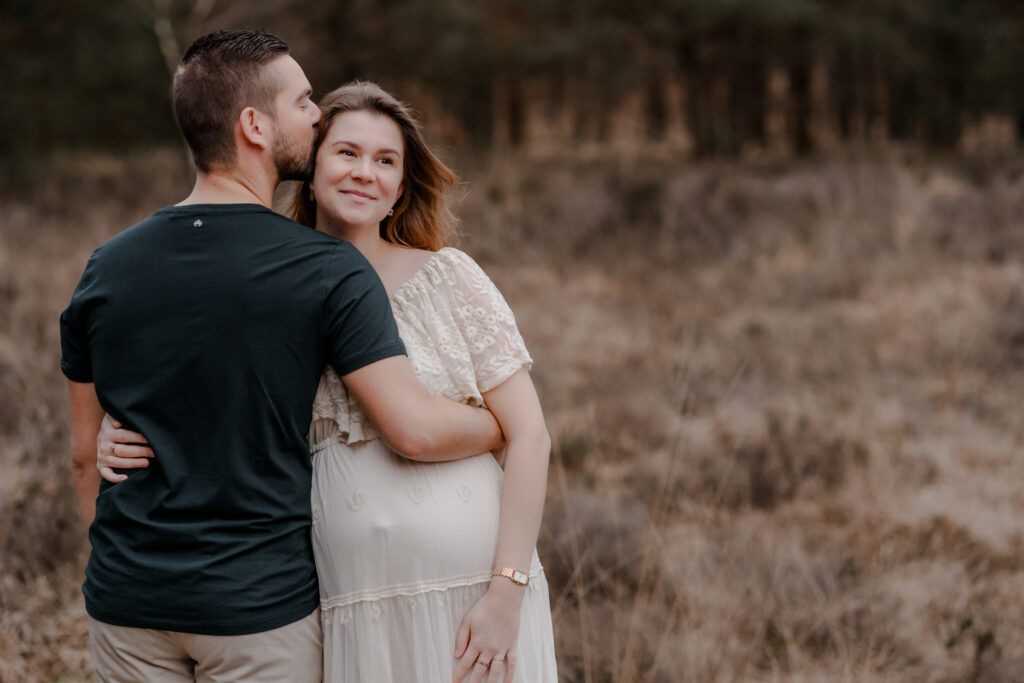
(363, 169)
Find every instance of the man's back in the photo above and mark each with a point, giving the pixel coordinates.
(206, 328)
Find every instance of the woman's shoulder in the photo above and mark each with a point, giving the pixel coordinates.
(448, 273)
(459, 261)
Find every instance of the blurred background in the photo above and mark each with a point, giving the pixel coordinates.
(709, 77)
(769, 258)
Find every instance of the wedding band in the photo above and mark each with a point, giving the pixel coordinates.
(486, 665)
(498, 659)
(112, 453)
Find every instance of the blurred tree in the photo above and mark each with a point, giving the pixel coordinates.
(733, 73)
(80, 74)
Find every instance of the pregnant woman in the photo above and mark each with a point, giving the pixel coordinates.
(428, 570)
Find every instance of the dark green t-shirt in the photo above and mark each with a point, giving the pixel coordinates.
(206, 328)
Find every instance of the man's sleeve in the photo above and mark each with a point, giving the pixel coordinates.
(360, 327)
(75, 361)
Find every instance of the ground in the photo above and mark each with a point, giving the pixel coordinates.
(784, 400)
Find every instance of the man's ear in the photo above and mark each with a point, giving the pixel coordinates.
(256, 127)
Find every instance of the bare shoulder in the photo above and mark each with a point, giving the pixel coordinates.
(401, 264)
(411, 258)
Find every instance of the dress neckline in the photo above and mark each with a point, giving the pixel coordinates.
(418, 272)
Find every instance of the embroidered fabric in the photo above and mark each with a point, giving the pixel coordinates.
(404, 549)
(460, 336)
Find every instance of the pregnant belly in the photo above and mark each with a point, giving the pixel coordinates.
(384, 523)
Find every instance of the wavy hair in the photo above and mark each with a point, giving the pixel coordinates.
(422, 217)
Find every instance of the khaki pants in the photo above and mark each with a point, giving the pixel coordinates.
(290, 654)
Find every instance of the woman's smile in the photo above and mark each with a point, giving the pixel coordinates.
(358, 196)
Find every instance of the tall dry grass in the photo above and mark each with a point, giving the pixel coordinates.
(785, 402)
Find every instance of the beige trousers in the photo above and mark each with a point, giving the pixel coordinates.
(290, 654)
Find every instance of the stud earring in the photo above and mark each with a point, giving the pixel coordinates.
(391, 212)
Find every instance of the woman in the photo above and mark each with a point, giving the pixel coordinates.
(427, 570)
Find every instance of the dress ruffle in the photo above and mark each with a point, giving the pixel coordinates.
(431, 618)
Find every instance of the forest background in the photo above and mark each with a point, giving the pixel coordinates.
(769, 258)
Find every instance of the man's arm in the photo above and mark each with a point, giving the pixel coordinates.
(416, 424)
(86, 415)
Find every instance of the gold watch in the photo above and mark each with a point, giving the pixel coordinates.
(513, 575)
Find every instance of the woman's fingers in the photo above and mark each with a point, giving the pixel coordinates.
(465, 666)
(121, 456)
(461, 639)
(112, 476)
(122, 463)
(119, 448)
(124, 455)
(481, 667)
(497, 672)
(510, 666)
(127, 436)
(478, 666)
(134, 450)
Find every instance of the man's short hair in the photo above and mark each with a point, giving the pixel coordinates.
(221, 74)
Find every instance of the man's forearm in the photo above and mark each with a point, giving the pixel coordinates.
(418, 425)
(451, 431)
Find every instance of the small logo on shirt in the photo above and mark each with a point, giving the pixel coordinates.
(198, 223)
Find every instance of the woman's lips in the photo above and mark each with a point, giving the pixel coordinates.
(356, 194)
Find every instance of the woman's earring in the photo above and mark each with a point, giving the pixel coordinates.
(391, 212)
(312, 197)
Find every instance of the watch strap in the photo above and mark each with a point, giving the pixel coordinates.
(513, 575)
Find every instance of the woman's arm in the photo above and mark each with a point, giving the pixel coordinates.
(490, 628)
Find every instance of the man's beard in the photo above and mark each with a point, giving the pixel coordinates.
(292, 163)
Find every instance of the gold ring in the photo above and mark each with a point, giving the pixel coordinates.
(112, 453)
(486, 665)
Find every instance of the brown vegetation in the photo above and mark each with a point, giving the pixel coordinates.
(785, 404)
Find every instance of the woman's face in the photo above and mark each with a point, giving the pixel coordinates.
(358, 175)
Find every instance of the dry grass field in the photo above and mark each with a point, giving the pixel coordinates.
(786, 402)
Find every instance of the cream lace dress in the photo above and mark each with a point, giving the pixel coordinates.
(404, 549)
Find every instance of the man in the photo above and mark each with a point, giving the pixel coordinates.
(206, 327)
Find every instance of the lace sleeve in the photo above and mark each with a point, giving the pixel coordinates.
(486, 323)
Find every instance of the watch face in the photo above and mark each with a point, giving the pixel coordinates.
(519, 577)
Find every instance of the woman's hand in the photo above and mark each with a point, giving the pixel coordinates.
(122, 448)
(486, 643)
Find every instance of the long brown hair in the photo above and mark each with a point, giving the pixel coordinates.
(422, 217)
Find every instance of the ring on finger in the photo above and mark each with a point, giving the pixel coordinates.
(484, 664)
(112, 452)
(498, 660)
